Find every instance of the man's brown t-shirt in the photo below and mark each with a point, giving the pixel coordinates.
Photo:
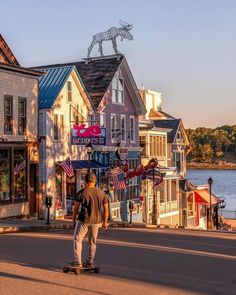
(92, 200)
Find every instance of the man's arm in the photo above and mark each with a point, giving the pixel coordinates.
(75, 212)
(106, 214)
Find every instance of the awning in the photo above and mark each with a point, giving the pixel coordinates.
(83, 164)
(203, 197)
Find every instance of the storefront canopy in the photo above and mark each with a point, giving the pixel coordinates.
(83, 164)
(203, 197)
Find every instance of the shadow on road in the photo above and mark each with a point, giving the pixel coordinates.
(196, 264)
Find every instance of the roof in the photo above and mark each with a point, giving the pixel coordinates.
(15, 68)
(171, 124)
(186, 186)
(96, 75)
(6, 53)
(203, 197)
(51, 84)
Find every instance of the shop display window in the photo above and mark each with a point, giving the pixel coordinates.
(20, 172)
(5, 181)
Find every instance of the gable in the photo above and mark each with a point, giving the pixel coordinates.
(6, 55)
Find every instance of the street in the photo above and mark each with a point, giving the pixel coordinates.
(132, 261)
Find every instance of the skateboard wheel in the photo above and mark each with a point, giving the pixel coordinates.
(65, 269)
(97, 270)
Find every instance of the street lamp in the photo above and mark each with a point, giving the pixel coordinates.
(210, 181)
(89, 152)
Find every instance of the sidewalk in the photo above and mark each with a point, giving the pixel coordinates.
(19, 225)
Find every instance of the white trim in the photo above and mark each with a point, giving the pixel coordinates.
(103, 114)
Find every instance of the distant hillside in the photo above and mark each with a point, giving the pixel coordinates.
(212, 145)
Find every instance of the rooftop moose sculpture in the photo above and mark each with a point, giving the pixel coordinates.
(111, 34)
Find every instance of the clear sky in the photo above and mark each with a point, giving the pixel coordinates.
(185, 49)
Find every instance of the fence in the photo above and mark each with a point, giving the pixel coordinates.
(169, 207)
(231, 214)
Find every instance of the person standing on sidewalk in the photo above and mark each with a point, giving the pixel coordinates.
(92, 200)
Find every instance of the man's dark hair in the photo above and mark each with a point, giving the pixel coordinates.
(90, 177)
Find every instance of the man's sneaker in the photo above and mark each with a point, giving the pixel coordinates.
(88, 264)
(75, 264)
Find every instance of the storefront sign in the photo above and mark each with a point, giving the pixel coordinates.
(82, 135)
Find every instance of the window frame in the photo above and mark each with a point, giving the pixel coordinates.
(123, 130)
(10, 124)
(69, 92)
(22, 99)
(132, 118)
(117, 86)
(113, 133)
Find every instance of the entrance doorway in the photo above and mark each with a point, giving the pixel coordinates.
(33, 189)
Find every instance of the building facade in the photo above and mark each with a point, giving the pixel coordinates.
(19, 156)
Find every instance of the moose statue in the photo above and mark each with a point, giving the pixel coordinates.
(111, 34)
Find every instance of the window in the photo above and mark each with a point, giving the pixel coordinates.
(143, 145)
(8, 115)
(20, 175)
(123, 128)
(132, 129)
(113, 127)
(69, 91)
(102, 120)
(5, 179)
(21, 115)
(118, 90)
(157, 146)
(91, 119)
(58, 127)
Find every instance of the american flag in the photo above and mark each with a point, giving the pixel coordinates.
(19, 167)
(67, 167)
(118, 178)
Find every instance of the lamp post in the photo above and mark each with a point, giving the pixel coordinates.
(154, 205)
(89, 152)
(210, 181)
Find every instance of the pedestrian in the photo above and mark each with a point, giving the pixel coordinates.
(91, 200)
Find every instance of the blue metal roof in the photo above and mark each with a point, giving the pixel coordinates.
(51, 84)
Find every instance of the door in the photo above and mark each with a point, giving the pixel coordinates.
(33, 189)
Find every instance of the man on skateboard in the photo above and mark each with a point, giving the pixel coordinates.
(92, 200)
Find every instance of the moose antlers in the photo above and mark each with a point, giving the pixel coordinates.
(125, 25)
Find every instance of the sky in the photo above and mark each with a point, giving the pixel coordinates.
(185, 49)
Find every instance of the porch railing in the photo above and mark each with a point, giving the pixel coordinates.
(169, 207)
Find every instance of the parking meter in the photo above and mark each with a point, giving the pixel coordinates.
(131, 208)
(48, 203)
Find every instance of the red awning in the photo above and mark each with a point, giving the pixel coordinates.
(203, 197)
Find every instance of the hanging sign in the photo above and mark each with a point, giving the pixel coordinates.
(94, 134)
(122, 151)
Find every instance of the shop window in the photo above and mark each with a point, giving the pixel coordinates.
(5, 181)
(20, 172)
(8, 115)
(22, 115)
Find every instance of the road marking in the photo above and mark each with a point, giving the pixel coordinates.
(132, 245)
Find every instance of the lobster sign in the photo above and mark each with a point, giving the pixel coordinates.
(82, 135)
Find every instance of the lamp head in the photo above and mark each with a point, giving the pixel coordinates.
(210, 181)
(89, 147)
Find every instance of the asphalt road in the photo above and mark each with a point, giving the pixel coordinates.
(132, 261)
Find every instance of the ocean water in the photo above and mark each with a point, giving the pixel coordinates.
(224, 183)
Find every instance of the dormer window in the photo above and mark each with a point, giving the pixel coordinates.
(69, 91)
(118, 90)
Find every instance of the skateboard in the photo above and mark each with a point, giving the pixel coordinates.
(77, 270)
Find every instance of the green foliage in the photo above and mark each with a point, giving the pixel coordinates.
(209, 144)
